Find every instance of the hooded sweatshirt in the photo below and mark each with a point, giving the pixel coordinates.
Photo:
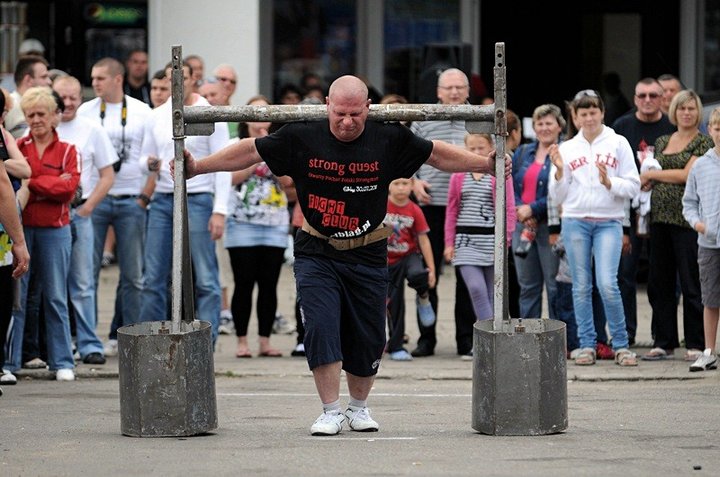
(580, 191)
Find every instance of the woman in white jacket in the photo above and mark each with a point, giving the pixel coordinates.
(592, 176)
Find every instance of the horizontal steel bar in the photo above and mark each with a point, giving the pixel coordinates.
(310, 112)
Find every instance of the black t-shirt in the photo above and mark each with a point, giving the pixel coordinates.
(342, 187)
(641, 134)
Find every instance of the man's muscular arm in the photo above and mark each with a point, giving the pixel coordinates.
(450, 158)
(236, 156)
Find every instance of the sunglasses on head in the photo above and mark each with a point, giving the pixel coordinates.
(648, 95)
(586, 92)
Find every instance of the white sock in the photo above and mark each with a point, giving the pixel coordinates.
(707, 352)
(356, 404)
(332, 406)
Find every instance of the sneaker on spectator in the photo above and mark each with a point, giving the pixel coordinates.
(425, 312)
(110, 348)
(299, 350)
(704, 363)
(603, 351)
(35, 363)
(6, 377)
(281, 326)
(328, 424)
(227, 326)
(65, 375)
(421, 351)
(107, 259)
(467, 357)
(94, 358)
(359, 420)
(401, 355)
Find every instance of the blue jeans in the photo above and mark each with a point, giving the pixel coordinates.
(49, 248)
(158, 260)
(81, 285)
(601, 240)
(540, 266)
(128, 220)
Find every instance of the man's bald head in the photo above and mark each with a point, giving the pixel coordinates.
(348, 87)
(348, 107)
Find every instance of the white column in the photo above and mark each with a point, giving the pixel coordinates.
(218, 31)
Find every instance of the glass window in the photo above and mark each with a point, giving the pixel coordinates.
(312, 36)
(418, 35)
(711, 50)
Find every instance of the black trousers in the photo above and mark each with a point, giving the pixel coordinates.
(673, 255)
(627, 277)
(253, 265)
(410, 268)
(435, 217)
(6, 305)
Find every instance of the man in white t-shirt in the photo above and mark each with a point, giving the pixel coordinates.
(123, 118)
(30, 71)
(207, 207)
(96, 157)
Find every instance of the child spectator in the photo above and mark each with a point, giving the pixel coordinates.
(701, 208)
(470, 227)
(406, 244)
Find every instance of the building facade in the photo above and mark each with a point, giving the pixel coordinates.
(552, 49)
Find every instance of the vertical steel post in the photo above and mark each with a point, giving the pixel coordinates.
(183, 308)
(500, 282)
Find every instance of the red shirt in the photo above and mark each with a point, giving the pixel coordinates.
(407, 221)
(50, 195)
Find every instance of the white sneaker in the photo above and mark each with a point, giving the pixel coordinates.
(65, 375)
(401, 355)
(704, 363)
(8, 378)
(226, 327)
(35, 363)
(328, 424)
(281, 326)
(425, 313)
(360, 420)
(110, 348)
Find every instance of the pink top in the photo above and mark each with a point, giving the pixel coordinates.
(451, 212)
(529, 193)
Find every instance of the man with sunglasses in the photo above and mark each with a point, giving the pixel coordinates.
(641, 127)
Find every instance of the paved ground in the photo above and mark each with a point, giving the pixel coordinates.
(657, 418)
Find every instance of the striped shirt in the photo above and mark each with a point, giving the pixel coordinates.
(475, 229)
(452, 132)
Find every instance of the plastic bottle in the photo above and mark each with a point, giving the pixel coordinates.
(527, 237)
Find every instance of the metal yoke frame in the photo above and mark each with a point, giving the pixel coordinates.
(199, 120)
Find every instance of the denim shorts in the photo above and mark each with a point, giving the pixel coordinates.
(342, 306)
(709, 263)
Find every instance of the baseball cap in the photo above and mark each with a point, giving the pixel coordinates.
(31, 45)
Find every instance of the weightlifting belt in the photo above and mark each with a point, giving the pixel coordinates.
(380, 233)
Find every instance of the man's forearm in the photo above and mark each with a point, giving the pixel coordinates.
(450, 158)
(234, 157)
(8, 210)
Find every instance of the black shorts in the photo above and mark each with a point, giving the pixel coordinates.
(343, 310)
